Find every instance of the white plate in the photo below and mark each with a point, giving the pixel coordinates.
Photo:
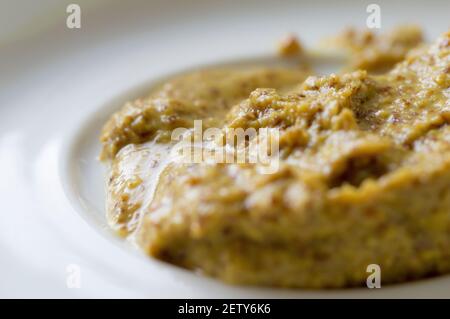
(56, 87)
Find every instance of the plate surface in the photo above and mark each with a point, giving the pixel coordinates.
(58, 85)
